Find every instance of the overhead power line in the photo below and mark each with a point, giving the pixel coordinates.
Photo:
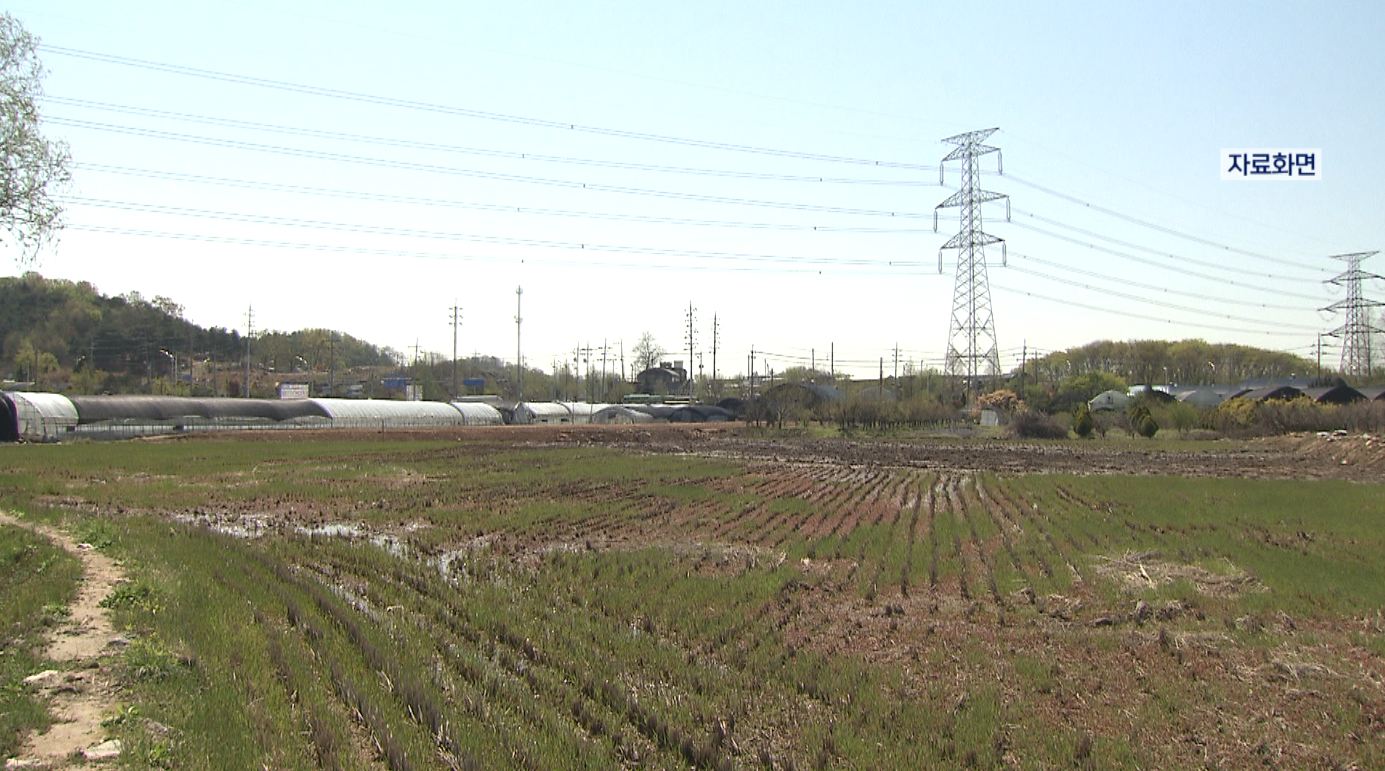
(1163, 228)
(262, 219)
(1166, 265)
(1159, 304)
(1212, 264)
(1069, 302)
(479, 206)
(479, 151)
(1155, 287)
(589, 259)
(437, 169)
(354, 96)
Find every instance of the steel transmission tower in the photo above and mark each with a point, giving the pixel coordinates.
(1356, 331)
(971, 343)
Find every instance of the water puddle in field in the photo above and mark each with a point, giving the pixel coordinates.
(452, 565)
(241, 527)
(345, 530)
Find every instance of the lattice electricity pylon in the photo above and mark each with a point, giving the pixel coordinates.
(971, 340)
(1356, 332)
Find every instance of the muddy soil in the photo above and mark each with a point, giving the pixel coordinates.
(1358, 457)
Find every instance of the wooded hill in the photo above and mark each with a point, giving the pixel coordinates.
(68, 333)
(1185, 362)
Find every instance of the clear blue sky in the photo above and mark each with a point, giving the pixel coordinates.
(1110, 104)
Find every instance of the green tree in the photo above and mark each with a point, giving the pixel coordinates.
(1082, 423)
(33, 166)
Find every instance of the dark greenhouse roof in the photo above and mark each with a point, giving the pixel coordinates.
(95, 409)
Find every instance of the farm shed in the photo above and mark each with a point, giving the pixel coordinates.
(478, 414)
(620, 414)
(383, 413)
(1269, 393)
(582, 412)
(39, 417)
(530, 413)
(1373, 393)
(806, 395)
(1204, 397)
(733, 405)
(1155, 393)
(1108, 400)
(1338, 394)
(656, 411)
(699, 413)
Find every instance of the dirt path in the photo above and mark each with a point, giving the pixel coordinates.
(81, 694)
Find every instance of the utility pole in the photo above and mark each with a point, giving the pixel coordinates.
(1024, 361)
(715, 331)
(603, 369)
(332, 362)
(623, 379)
(896, 364)
(249, 331)
(1319, 377)
(456, 322)
(750, 372)
(1356, 331)
(813, 357)
(971, 339)
(519, 349)
(832, 361)
(691, 341)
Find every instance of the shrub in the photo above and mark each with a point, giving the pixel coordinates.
(1082, 423)
(1034, 425)
(1141, 421)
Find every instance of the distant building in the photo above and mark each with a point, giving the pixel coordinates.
(667, 378)
(1338, 394)
(1204, 397)
(1268, 393)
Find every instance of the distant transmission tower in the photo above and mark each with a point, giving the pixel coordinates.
(1356, 332)
(971, 343)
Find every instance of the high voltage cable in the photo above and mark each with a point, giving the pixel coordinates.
(300, 88)
(1161, 228)
(441, 256)
(436, 169)
(1163, 265)
(1157, 252)
(486, 152)
(1128, 314)
(446, 203)
(1158, 304)
(620, 133)
(580, 246)
(1155, 287)
(261, 219)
